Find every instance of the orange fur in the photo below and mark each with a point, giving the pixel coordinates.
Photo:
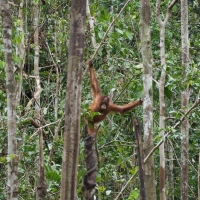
(102, 103)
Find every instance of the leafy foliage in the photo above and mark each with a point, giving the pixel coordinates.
(119, 71)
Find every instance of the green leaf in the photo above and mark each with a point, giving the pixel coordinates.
(100, 34)
(119, 31)
(52, 174)
(168, 93)
(128, 35)
(134, 194)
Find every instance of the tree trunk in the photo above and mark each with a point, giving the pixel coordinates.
(12, 157)
(184, 148)
(36, 63)
(89, 181)
(148, 98)
(162, 24)
(41, 185)
(199, 178)
(170, 174)
(20, 51)
(140, 158)
(56, 101)
(184, 101)
(91, 24)
(73, 101)
(162, 114)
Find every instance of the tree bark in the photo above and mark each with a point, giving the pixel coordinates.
(184, 148)
(170, 174)
(162, 24)
(73, 101)
(89, 181)
(184, 101)
(20, 51)
(148, 98)
(140, 159)
(41, 186)
(91, 24)
(36, 62)
(12, 157)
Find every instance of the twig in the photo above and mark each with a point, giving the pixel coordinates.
(41, 127)
(108, 144)
(34, 98)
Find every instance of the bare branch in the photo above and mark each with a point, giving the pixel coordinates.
(41, 127)
(158, 13)
(169, 10)
(34, 98)
(168, 14)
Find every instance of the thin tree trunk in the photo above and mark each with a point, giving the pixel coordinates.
(57, 80)
(140, 158)
(184, 101)
(56, 101)
(162, 115)
(12, 157)
(184, 148)
(36, 63)
(148, 98)
(162, 25)
(73, 101)
(91, 24)
(41, 185)
(20, 52)
(170, 176)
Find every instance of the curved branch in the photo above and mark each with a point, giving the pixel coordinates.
(169, 10)
(168, 14)
(160, 22)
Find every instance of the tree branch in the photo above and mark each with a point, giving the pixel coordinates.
(168, 14)
(169, 10)
(106, 33)
(177, 124)
(125, 186)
